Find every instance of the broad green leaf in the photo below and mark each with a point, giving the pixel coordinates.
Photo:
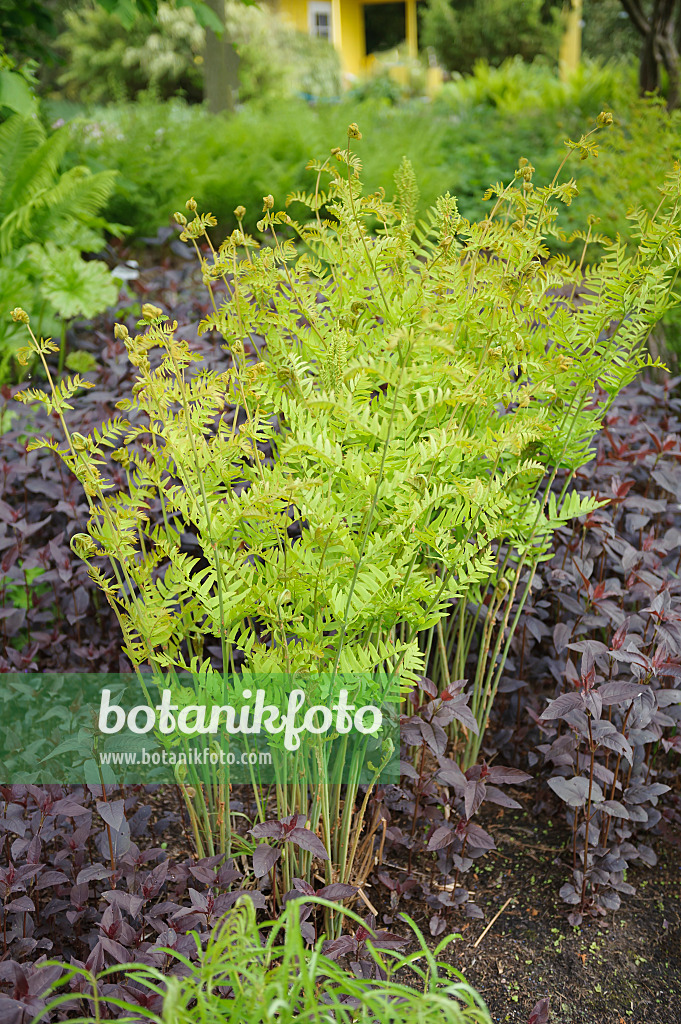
(74, 286)
(15, 93)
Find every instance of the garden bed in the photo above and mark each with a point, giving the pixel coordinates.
(627, 967)
(104, 879)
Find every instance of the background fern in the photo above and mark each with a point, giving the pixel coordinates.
(48, 217)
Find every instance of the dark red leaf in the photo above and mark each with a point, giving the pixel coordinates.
(337, 891)
(264, 859)
(561, 706)
(268, 830)
(441, 837)
(307, 840)
(499, 775)
(540, 1013)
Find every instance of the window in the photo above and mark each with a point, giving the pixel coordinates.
(319, 18)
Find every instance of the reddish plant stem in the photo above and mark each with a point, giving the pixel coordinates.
(458, 870)
(592, 750)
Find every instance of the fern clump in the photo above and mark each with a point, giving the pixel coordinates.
(47, 219)
(387, 464)
(415, 386)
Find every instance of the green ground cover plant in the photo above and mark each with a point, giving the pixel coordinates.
(514, 86)
(172, 149)
(475, 132)
(385, 484)
(257, 972)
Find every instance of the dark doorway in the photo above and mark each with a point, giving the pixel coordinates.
(385, 26)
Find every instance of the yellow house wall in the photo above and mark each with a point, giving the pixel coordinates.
(294, 12)
(571, 43)
(352, 44)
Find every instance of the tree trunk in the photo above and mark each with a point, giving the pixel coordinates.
(221, 67)
(649, 67)
(670, 59)
(659, 47)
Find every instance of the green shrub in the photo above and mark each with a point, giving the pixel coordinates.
(27, 30)
(47, 218)
(272, 976)
(607, 31)
(463, 31)
(523, 109)
(107, 60)
(517, 88)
